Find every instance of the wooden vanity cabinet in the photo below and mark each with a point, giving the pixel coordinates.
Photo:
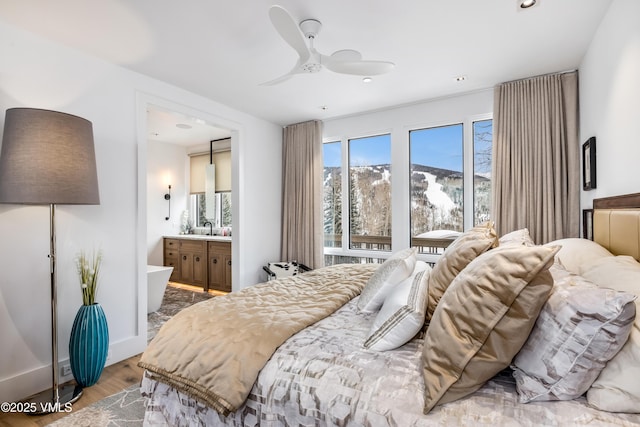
(199, 262)
(172, 258)
(193, 265)
(220, 266)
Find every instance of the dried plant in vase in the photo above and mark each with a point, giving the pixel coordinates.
(88, 269)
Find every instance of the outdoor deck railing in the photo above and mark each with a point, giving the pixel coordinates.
(383, 243)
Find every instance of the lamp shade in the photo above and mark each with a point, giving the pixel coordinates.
(47, 157)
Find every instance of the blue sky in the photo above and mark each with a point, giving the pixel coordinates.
(440, 147)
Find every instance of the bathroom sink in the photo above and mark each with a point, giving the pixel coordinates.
(203, 237)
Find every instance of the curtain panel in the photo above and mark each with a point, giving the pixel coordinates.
(302, 233)
(536, 163)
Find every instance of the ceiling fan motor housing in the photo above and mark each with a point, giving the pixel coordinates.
(310, 27)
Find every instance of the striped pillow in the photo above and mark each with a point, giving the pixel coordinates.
(403, 312)
(390, 273)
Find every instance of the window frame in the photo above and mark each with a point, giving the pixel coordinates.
(473, 166)
(348, 207)
(464, 170)
(195, 209)
(400, 183)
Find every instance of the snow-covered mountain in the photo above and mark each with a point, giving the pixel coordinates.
(436, 199)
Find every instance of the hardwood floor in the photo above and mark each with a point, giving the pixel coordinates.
(113, 379)
(196, 288)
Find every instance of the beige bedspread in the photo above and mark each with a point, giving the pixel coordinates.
(214, 350)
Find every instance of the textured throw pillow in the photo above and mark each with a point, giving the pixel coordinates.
(483, 320)
(577, 254)
(461, 252)
(579, 329)
(518, 237)
(391, 272)
(402, 314)
(617, 389)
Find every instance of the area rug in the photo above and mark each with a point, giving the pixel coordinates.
(126, 408)
(123, 409)
(175, 299)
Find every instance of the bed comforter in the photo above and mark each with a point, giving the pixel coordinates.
(213, 351)
(322, 376)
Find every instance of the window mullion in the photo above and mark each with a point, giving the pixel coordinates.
(468, 174)
(346, 200)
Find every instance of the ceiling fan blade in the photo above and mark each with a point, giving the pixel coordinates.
(288, 29)
(295, 70)
(278, 80)
(346, 55)
(358, 68)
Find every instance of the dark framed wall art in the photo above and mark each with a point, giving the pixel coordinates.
(589, 164)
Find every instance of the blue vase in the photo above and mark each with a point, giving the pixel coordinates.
(89, 344)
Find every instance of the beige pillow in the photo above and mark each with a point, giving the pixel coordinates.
(576, 254)
(580, 328)
(617, 389)
(391, 272)
(461, 252)
(402, 314)
(517, 237)
(483, 320)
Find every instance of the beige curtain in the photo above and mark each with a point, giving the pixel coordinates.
(536, 164)
(302, 237)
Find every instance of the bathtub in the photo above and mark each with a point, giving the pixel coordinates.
(157, 278)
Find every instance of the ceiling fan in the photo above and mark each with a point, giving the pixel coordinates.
(346, 61)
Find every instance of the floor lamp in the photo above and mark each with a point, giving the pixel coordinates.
(48, 158)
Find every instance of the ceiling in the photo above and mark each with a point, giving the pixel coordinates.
(223, 50)
(179, 129)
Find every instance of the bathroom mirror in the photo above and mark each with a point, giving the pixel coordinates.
(210, 192)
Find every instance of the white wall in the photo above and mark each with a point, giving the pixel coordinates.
(166, 164)
(610, 101)
(38, 73)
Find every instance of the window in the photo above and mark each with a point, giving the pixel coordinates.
(441, 186)
(370, 193)
(224, 201)
(482, 146)
(332, 194)
(436, 179)
(223, 209)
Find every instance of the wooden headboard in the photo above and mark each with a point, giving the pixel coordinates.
(616, 224)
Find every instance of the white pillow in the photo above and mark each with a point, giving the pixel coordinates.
(393, 271)
(576, 255)
(580, 328)
(403, 312)
(617, 389)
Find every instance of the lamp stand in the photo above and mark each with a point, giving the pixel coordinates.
(56, 398)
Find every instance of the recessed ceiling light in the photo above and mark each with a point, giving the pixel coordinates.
(461, 78)
(525, 4)
(367, 80)
(183, 126)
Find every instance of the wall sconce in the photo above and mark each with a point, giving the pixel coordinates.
(167, 197)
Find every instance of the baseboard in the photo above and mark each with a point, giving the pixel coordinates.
(25, 384)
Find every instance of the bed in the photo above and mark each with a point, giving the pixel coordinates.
(372, 345)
